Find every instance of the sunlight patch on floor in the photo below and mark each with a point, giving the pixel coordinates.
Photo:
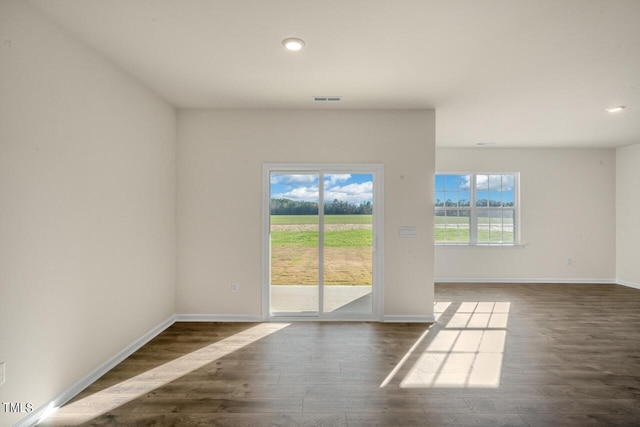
(464, 350)
(126, 391)
(404, 359)
(459, 359)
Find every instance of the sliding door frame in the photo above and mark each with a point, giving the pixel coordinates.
(377, 288)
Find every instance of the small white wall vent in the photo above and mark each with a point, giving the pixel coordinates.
(327, 98)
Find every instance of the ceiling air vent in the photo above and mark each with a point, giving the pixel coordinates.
(327, 98)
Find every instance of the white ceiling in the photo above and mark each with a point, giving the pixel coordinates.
(518, 73)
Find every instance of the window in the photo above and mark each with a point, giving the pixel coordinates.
(476, 208)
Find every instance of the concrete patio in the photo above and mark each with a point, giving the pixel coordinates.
(343, 299)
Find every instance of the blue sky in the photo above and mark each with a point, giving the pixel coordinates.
(352, 188)
(457, 187)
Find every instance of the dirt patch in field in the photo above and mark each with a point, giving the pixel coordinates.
(314, 227)
(343, 266)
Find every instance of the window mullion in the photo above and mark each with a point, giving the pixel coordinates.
(516, 210)
(320, 242)
(473, 220)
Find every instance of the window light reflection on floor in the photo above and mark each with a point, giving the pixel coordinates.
(128, 390)
(463, 350)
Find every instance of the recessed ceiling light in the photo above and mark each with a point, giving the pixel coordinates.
(485, 144)
(616, 109)
(293, 43)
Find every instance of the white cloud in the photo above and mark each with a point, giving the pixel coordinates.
(352, 193)
(306, 194)
(293, 187)
(465, 182)
(333, 179)
(293, 179)
(496, 182)
(508, 182)
(481, 182)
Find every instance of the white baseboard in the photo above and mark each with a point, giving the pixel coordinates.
(546, 280)
(39, 414)
(628, 284)
(218, 318)
(417, 318)
(42, 412)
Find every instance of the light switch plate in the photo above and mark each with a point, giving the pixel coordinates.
(1, 373)
(408, 232)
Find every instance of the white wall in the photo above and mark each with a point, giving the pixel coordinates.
(627, 212)
(87, 209)
(220, 157)
(567, 210)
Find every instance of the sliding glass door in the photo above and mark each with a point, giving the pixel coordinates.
(321, 227)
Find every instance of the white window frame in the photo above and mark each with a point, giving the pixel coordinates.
(377, 170)
(474, 210)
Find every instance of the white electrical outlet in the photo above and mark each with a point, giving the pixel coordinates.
(1, 373)
(569, 261)
(234, 287)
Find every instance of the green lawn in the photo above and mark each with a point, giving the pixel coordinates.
(363, 238)
(461, 235)
(335, 239)
(465, 220)
(343, 238)
(451, 220)
(451, 234)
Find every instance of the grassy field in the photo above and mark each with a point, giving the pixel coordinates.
(457, 229)
(453, 235)
(465, 220)
(332, 239)
(347, 252)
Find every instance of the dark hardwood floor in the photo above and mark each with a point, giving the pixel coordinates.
(503, 354)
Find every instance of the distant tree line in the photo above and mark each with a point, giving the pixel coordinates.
(293, 207)
(337, 207)
(480, 203)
